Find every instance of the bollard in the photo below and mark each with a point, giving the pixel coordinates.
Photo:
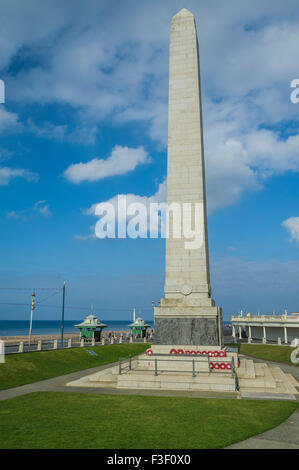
(39, 345)
(144, 339)
(131, 339)
(279, 341)
(249, 340)
(69, 343)
(112, 340)
(93, 342)
(55, 344)
(82, 343)
(103, 341)
(120, 339)
(21, 347)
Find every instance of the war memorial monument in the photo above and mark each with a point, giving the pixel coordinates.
(188, 352)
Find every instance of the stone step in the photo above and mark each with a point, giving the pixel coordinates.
(292, 380)
(103, 378)
(274, 380)
(175, 382)
(282, 380)
(278, 374)
(143, 376)
(259, 369)
(246, 369)
(106, 384)
(268, 377)
(250, 370)
(267, 396)
(258, 382)
(173, 365)
(277, 390)
(86, 382)
(263, 377)
(175, 386)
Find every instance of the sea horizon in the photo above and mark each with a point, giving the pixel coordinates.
(51, 327)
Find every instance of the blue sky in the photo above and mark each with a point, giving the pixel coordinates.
(87, 82)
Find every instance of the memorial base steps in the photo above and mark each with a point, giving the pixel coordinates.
(265, 379)
(182, 374)
(176, 380)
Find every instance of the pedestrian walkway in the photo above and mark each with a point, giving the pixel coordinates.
(284, 436)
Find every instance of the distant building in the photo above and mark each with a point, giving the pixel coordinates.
(139, 327)
(267, 327)
(91, 328)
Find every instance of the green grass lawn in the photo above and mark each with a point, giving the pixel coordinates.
(69, 420)
(20, 369)
(268, 352)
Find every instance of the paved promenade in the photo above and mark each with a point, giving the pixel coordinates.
(284, 436)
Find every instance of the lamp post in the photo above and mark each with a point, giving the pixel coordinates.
(62, 319)
(31, 316)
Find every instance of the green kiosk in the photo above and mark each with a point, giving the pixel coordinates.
(91, 328)
(139, 327)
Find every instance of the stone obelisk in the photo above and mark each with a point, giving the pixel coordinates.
(187, 315)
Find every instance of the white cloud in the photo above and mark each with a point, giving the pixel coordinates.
(158, 196)
(121, 161)
(5, 154)
(81, 135)
(7, 174)
(240, 159)
(89, 236)
(292, 225)
(40, 207)
(108, 63)
(8, 121)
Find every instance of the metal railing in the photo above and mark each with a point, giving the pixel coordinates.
(125, 364)
(122, 361)
(234, 375)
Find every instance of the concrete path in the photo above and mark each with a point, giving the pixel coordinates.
(56, 384)
(284, 436)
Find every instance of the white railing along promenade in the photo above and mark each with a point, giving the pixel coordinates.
(267, 318)
(22, 345)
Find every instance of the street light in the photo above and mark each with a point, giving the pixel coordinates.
(31, 315)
